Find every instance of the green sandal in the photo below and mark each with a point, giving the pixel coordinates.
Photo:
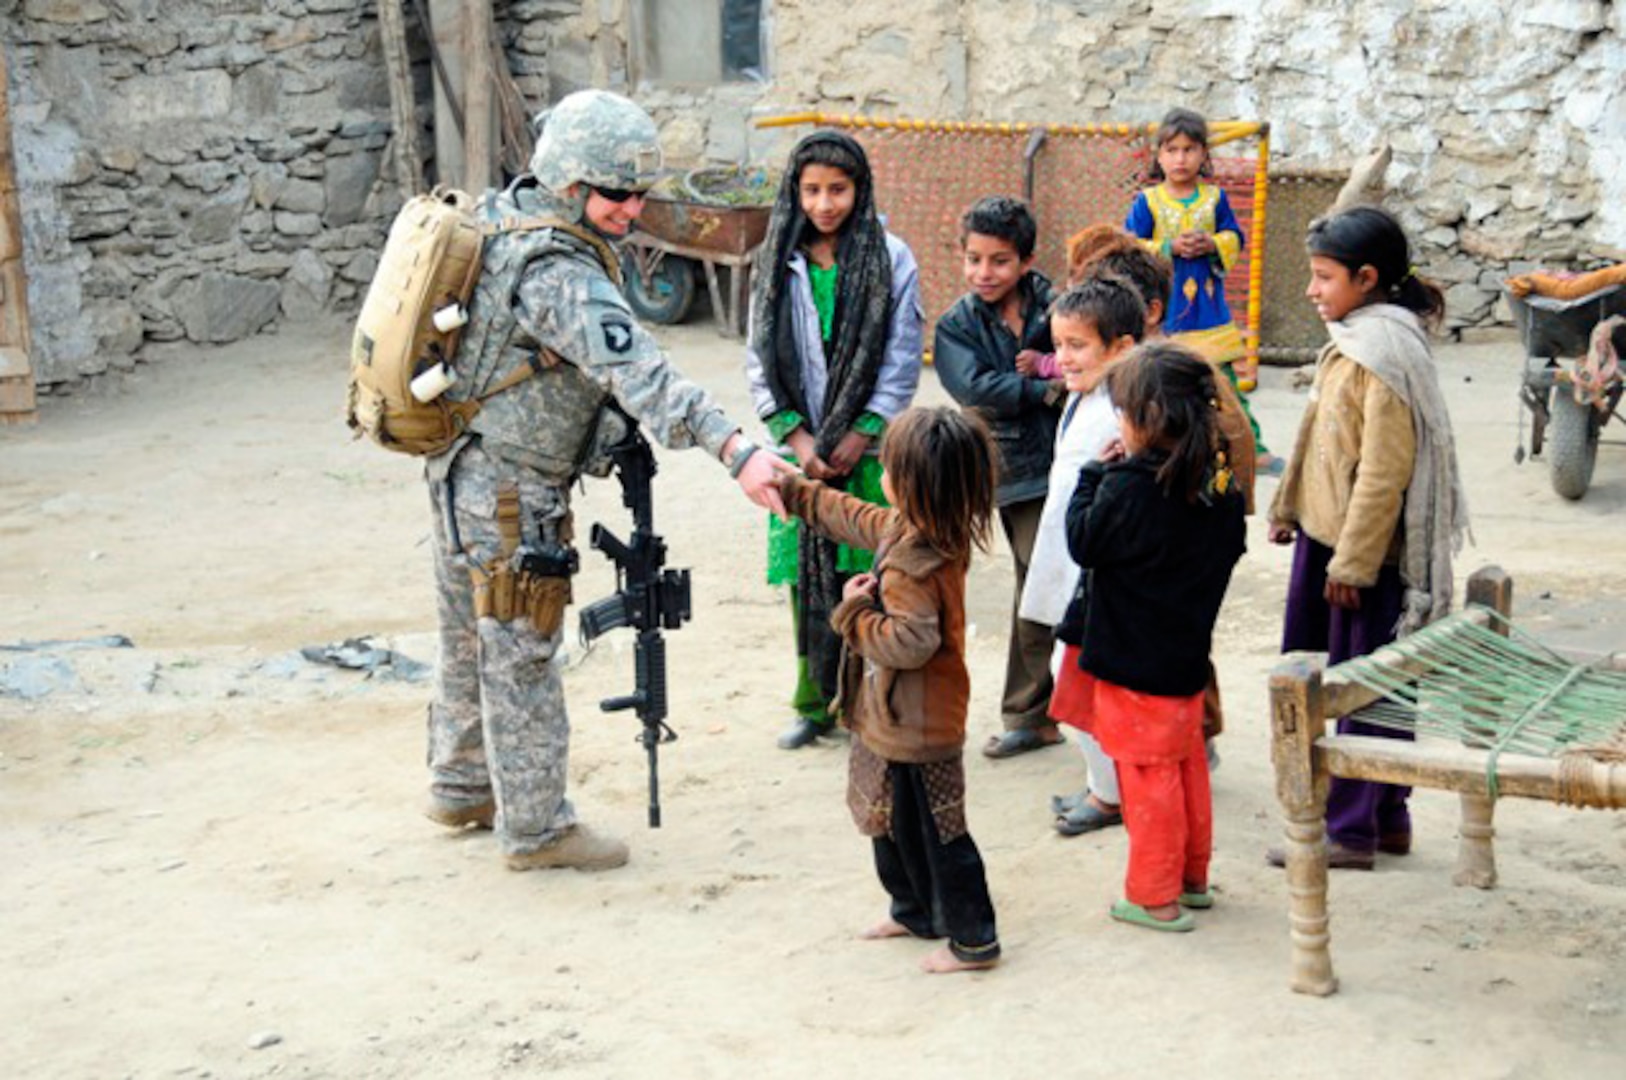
(1197, 901)
(1134, 914)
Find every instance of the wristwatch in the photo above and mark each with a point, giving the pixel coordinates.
(742, 453)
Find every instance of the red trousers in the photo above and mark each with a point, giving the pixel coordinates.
(1169, 815)
(1157, 743)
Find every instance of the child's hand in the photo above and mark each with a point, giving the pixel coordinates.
(844, 458)
(1027, 361)
(800, 442)
(1340, 595)
(1280, 534)
(1193, 245)
(1113, 451)
(860, 585)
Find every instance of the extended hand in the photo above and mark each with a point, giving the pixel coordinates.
(1113, 451)
(847, 452)
(760, 480)
(1027, 360)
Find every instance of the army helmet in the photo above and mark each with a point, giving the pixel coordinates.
(598, 138)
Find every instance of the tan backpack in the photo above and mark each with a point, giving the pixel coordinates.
(412, 319)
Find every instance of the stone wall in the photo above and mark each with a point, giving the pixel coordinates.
(1508, 120)
(191, 170)
(201, 169)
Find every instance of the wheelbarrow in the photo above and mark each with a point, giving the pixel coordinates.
(1566, 419)
(681, 241)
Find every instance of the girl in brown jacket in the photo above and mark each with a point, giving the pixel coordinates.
(904, 684)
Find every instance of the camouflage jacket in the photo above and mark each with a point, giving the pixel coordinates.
(547, 289)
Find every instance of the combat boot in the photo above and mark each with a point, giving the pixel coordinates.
(460, 815)
(581, 848)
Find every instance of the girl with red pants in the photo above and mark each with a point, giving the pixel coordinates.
(1157, 527)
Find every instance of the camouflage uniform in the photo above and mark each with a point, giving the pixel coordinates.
(498, 727)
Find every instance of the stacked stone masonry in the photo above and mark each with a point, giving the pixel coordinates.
(201, 169)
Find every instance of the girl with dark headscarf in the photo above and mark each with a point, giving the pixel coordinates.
(833, 355)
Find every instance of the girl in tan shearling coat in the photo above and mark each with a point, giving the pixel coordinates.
(1372, 493)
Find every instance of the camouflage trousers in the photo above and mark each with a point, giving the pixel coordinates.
(497, 726)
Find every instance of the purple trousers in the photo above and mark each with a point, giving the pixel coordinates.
(1358, 811)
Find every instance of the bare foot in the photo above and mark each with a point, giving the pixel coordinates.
(941, 961)
(886, 928)
(1164, 912)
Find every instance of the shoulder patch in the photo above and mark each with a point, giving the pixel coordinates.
(617, 330)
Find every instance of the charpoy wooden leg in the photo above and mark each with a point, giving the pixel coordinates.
(1297, 721)
(1476, 852)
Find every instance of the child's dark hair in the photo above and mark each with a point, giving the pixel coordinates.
(1168, 392)
(1005, 219)
(1107, 302)
(1187, 122)
(943, 468)
(1366, 236)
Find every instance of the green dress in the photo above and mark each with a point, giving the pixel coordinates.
(784, 536)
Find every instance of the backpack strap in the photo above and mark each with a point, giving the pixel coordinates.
(606, 254)
(544, 360)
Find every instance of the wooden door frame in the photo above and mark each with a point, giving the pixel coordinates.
(17, 399)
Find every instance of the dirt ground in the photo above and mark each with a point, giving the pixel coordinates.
(209, 844)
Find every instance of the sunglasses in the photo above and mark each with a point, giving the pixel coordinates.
(618, 195)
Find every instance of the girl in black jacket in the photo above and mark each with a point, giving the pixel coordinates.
(1157, 528)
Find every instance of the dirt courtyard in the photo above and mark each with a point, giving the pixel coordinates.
(215, 863)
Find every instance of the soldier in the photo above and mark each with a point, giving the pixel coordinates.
(548, 301)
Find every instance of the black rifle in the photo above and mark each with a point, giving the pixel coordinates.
(647, 598)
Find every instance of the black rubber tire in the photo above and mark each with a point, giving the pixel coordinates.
(670, 293)
(1572, 443)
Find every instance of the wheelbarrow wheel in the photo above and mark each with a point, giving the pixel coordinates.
(667, 297)
(1572, 443)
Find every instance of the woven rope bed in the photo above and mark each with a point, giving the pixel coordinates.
(1497, 715)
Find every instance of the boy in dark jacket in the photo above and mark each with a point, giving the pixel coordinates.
(978, 341)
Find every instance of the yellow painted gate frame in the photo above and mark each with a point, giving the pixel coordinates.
(1008, 174)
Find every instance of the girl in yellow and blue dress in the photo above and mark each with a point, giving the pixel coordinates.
(1191, 223)
(833, 356)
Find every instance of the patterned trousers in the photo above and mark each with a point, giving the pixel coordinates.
(497, 727)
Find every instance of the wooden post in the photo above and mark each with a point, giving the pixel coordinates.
(403, 106)
(16, 372)
(1298, 719)
(1476, 850)
(479, 103)
(445, 30)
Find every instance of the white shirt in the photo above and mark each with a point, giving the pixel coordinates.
(1089, 424)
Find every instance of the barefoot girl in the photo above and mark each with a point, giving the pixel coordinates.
(903, 682)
